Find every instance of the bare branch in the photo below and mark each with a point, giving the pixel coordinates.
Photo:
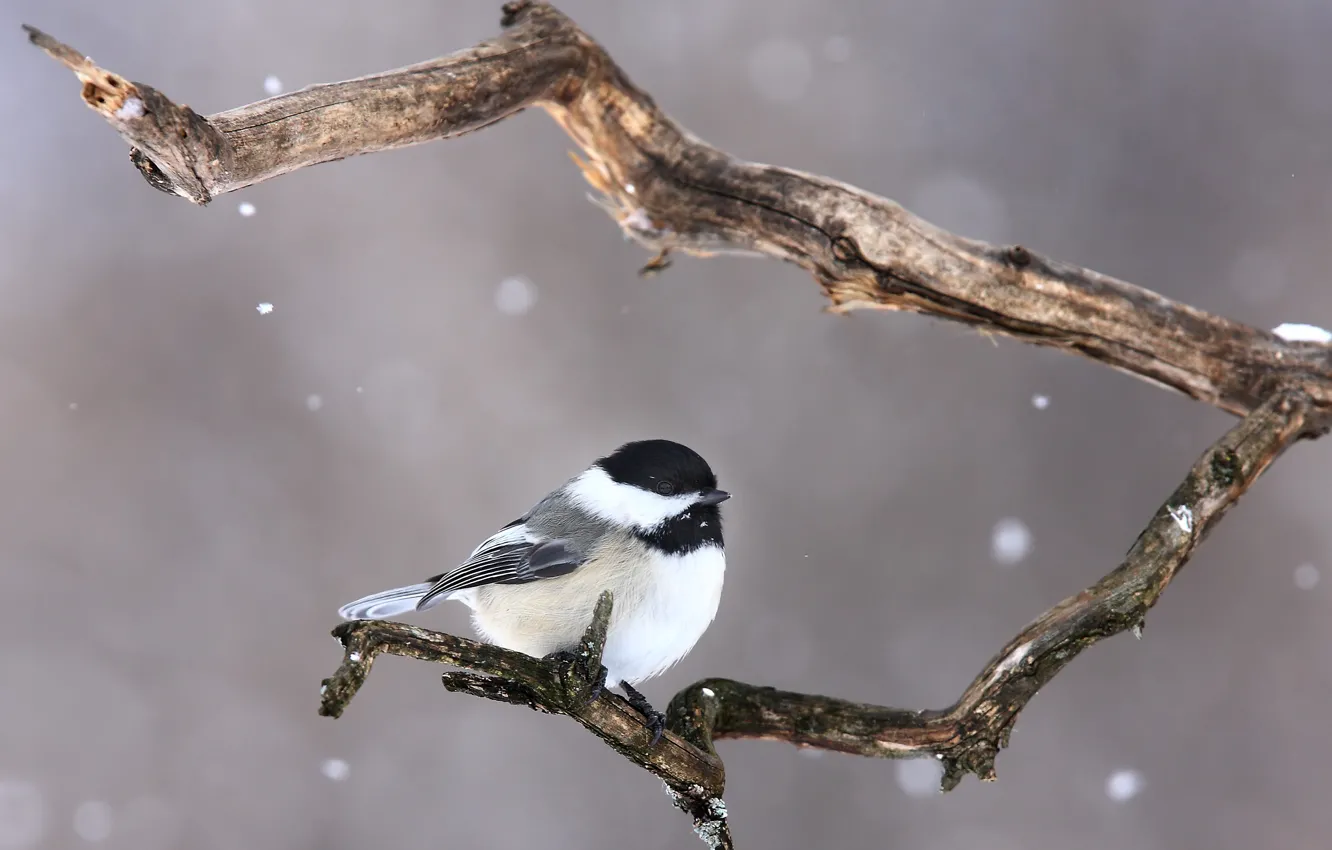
(672, 192)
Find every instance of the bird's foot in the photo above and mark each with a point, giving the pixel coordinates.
(656, 721)
(575, 671)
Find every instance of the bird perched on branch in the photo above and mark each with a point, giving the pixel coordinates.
(643, 522)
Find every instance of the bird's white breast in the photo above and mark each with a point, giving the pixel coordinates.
(678, 603)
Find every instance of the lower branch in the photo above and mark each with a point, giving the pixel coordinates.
(966, 737)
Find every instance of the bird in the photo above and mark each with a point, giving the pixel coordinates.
(643, 522)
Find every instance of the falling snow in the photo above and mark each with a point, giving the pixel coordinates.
(515, 296)
(22, 814)
(264, 308)
(1302, 333)
(313, 402)
(1010, 541)
(1040, 402)
(919, 777)
(246, 209)
(780, 70)
(335, 769)
(92, 820)
(1307, 576)
(1123, 785)
(272, 85)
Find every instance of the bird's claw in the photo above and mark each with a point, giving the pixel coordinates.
(597, 687)
(656, 724)
(655, 720)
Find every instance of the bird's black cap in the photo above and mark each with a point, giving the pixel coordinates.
(661, 466)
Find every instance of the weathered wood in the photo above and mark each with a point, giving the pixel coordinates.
(670, 191)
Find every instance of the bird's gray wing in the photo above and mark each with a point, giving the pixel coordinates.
(513, 555)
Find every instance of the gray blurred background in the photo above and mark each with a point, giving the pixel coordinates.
(192, 487)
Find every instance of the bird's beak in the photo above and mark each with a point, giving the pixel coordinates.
(712, 497)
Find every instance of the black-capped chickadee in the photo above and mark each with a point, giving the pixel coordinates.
(642, 522)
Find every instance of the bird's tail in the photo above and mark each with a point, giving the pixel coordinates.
(387, 603)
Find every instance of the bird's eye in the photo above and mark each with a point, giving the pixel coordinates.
(665, 488)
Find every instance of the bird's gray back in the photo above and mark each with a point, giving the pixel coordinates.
(558, 517)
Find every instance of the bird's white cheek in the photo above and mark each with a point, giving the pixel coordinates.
(597, 493)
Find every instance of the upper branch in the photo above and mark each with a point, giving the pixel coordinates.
(673, 192)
